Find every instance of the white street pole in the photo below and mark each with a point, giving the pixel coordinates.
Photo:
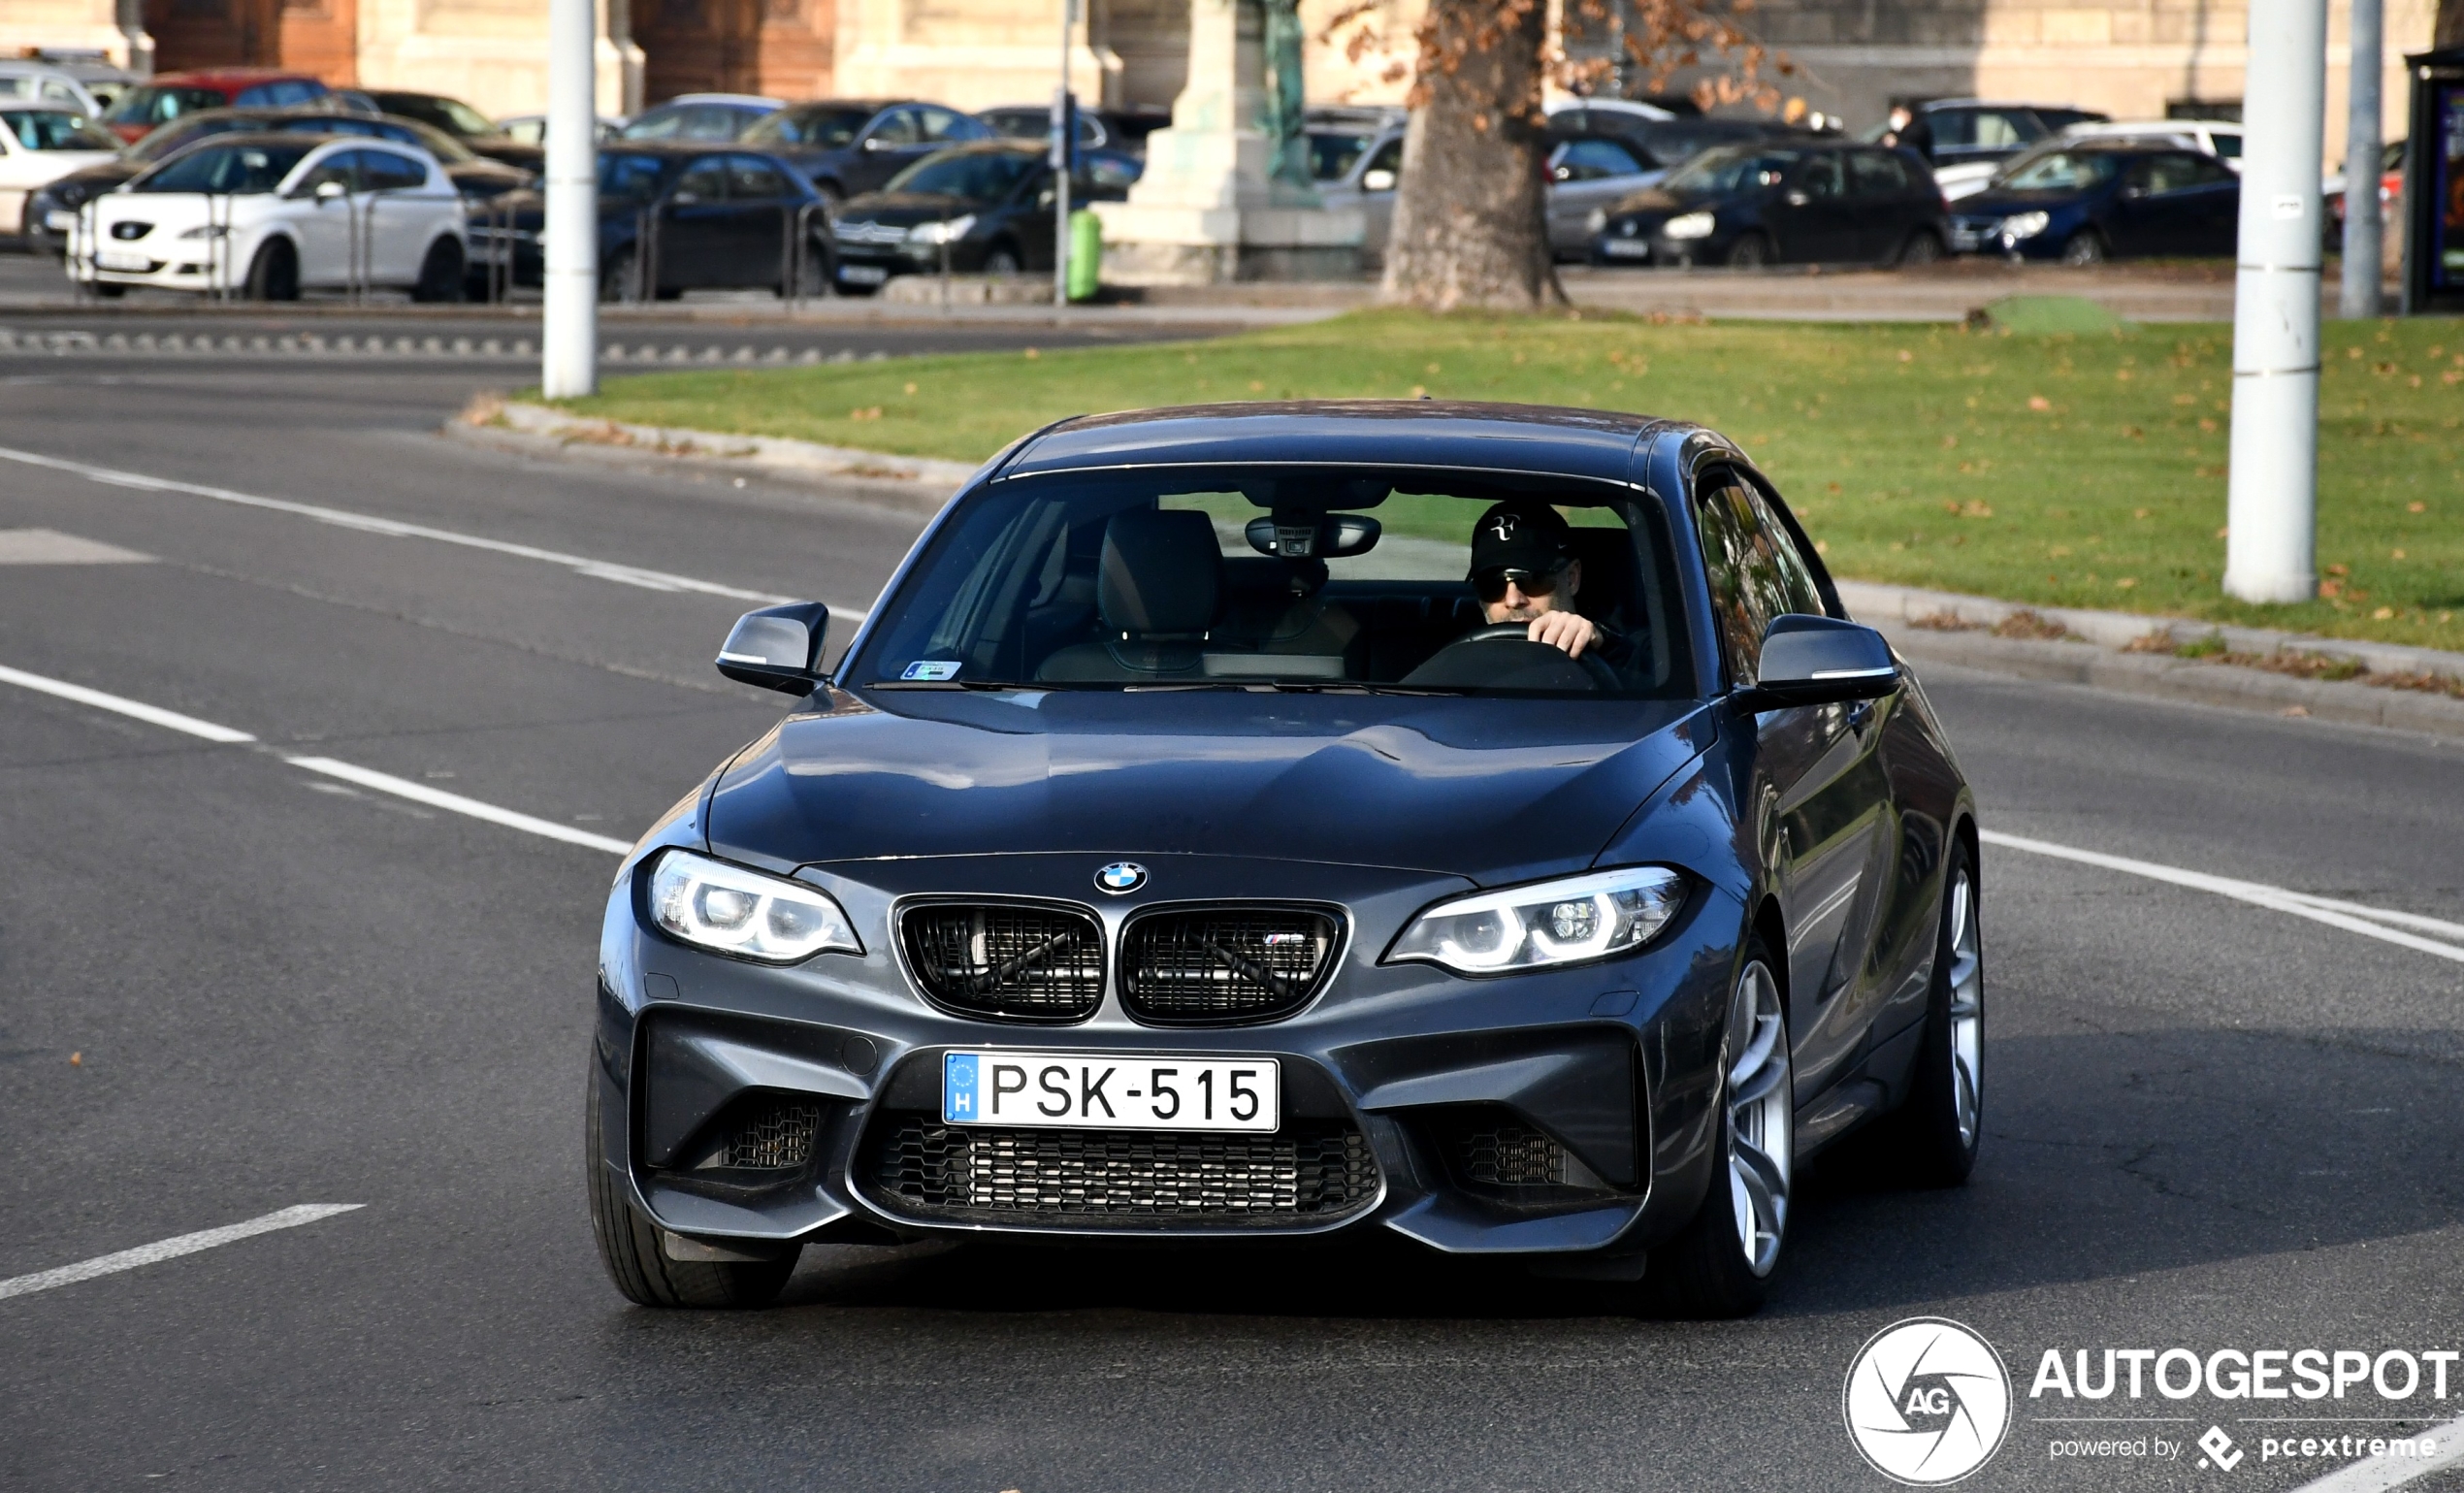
(1064, 147)
(2271, 554)
(568, 334)
(2363, 243)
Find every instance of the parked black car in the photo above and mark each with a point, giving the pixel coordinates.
(2085, 203)
(1958, 132)
(673, 219)
(477, 178)
(849, 147)
(1100, 129)
(1668, 144)
(1804, 201)
(1160, 864)
(991, 202)
(477, 132)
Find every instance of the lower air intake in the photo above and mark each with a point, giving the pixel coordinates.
(1511, 1155)
(1311, 1173)
(770, 1135)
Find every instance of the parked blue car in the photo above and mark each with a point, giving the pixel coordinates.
(2087, 201)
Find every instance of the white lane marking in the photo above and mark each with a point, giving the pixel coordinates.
(151, 715)
(171, 1249)
(2347, 915)
(418, 793)
(341, 518)
(365, 777)
(2377, 1474)
(50, 546)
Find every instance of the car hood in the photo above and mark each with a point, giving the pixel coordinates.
(95, 180)
(1496, 790)
(1660, 202)
(903, 210)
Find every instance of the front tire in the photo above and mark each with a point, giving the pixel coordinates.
(441, 274)
(620, 279)
(1751, 252)
(1922, 249)
(2082, 249)
(1002, 259)
(1941, 1122)
(275, 274)
(1722, 1263)
(628, 1246)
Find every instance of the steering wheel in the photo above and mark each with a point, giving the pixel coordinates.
(1603, 677)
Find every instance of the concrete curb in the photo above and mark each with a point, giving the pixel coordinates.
(915, 483)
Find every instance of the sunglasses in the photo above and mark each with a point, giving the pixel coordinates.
(1490, 585)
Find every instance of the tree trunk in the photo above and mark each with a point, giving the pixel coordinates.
(1468, 228)
(2450, 26)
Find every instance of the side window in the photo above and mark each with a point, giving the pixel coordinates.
(1874, 174)
(1754, 572)
(751, 178)
(2207, 171)
(292, 92)
(898, 127)
(387, 172)
(1952, 128)
(2229, 145)
(1823, 177)
(943, 124)
(342, 166)
(1590, 160)
(705, 181)
(258, 97)
(708, 122)
(2005, 132)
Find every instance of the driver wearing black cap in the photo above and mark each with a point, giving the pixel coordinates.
(1523, 571)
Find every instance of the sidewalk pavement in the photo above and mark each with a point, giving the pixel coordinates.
(2399, 687)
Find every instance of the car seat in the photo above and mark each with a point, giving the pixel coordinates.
(1156, 585)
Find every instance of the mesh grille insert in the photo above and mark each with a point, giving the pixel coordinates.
(1511, 1155)
(1308, 1173)
(772, 1134)
(1225, 964)
(1020, 962)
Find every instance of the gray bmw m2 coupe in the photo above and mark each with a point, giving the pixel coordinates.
(1480, 824)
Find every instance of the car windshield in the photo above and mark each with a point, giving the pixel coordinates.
(2059, 170)
(625, 177)
(438, 112)
(236, 170)
(1166, 577)
(1725, 169)
(154, 103)
(821, 129)
(53, 129)
(977, 175)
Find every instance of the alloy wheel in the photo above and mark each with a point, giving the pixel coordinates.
(1761, 1117)
(1968, 1007)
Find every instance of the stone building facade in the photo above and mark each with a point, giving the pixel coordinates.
(2131, 58)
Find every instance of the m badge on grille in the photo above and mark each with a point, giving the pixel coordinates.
(1121, 877)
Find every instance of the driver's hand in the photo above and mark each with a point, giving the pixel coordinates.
(1570, 630)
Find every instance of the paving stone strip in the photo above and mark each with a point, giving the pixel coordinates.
(318, 344)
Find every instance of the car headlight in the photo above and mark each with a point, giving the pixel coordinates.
(1598, 220)
(206, 231)
(752, 916)
(947, 231)
(2024, 225)
(1689, 225)
(1549, 923)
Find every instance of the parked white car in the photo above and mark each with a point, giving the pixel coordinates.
(41, 84)
(266, 215)
(40, 143)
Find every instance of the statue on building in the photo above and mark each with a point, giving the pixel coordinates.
(1284, 117)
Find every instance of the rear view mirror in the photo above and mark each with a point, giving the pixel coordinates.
(778, 647)
(1304, 535)
(1820, 661)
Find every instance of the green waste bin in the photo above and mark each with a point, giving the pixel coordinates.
(1086, 254)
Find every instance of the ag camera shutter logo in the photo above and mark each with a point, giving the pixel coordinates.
(1928, 1402)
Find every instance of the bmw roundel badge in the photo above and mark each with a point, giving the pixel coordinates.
(1121, 877)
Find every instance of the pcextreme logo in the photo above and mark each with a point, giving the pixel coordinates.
(1927, 1401)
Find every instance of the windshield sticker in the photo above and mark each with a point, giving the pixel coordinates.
(931, 669)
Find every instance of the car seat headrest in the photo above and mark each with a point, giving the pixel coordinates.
(1160, 573)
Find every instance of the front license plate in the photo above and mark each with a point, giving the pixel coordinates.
(1111, 1092)
(862, 274)
(112, 259)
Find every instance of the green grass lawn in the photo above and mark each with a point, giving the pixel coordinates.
(2063, 468)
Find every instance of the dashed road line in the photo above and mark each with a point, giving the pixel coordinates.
(344, 518)
(394, 346)
(2351, 917)
(171, 1249)
(327, 766)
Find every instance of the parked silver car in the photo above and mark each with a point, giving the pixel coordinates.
(1360, 165)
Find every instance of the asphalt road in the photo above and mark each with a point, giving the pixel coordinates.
(2209, 1124)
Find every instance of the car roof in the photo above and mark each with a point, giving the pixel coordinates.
(1537, 440)
(212, 76)
(2089, 127)
(749, 100)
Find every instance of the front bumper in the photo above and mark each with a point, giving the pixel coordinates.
(1542, 1113)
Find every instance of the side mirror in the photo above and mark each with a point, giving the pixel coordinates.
(778, 647)
(1378, 181)
(1820, 661)
(683, 199)
(327, 191)
(875, 143)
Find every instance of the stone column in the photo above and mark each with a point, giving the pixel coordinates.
(1207, 209)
